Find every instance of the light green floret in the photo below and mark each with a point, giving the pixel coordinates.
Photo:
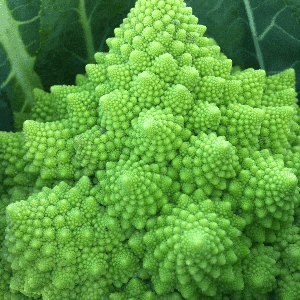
(291, 256)
(275, 128)
(204, 117)
(165, 66)
(46, 108)
(135, 192)
(204, 65)
(288, 285)
(189, 77)
(156, 134)
(96, 73)
(252, 86)
(155, 49)
(119, 76)
(241, 125)
(260, 270)
(82, 107)
(49, 150)
(147, 88)
(230, 92)
(117, 109)
(178, 98)
(49, 145)
(95, 147)
(112, 59)
(123, 265)
(136, 289)
(287, 234)
(59, 95)
(12, 151)
(217, 156)
(49, 107)
(207, 162)
(61, 238)
(267, 189)
(211, 89)
(138, 61)
(279, 89)
(194, 248)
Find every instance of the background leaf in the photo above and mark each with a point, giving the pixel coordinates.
(71, 32)
(19, 38)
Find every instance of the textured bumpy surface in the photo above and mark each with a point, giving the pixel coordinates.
(164, 173)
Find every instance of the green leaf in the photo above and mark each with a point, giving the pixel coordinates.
(18, 58)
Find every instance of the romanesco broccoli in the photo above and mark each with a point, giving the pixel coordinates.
(164, 173)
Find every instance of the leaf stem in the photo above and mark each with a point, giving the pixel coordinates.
(254, 35)
(21, 63)
(87, 31)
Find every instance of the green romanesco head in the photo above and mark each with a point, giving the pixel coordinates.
(164, 173)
